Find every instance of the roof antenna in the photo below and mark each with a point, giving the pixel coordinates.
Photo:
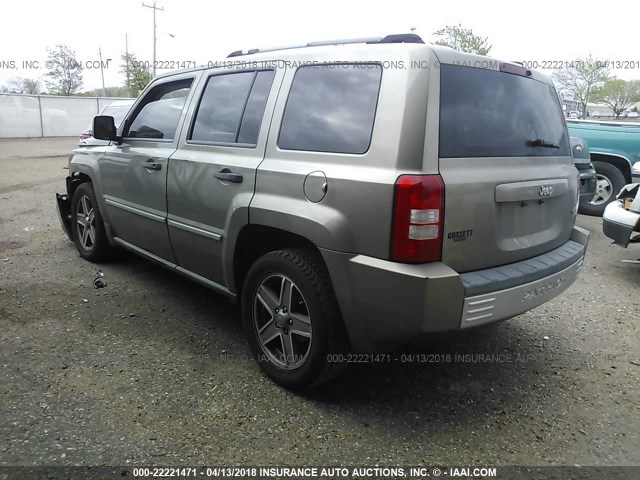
(413, 30)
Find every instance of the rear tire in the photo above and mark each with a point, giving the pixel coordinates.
(291, 319)
(87, 227)
(609, 182)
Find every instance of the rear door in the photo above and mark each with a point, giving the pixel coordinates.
(504, 156)
(212, 175)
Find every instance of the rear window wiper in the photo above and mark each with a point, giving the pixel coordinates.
(539, 142)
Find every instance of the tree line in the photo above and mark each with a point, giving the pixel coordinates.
(65, 77)
(584, 81)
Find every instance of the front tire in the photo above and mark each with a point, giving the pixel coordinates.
(87, 227)
(609, 181)
(291, 319)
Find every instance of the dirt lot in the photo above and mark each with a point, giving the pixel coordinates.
(154, 369)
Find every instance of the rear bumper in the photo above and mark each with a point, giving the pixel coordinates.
(507, 303)
(619, 224)
(385, 304)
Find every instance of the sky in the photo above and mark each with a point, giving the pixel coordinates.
(203, 31)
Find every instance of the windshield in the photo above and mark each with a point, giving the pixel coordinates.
(486, 113)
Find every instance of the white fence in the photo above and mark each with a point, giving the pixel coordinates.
(48, 115)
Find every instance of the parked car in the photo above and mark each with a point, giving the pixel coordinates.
(117, 109)
(621, 219)
(574, 114)
(582, 161)
(614, 148)
(635, 173)
(344, 208)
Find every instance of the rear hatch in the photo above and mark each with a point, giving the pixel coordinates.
(504, 156)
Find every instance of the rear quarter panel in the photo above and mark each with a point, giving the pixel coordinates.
(356, 213)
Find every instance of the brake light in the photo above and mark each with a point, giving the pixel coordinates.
(84, 136)
(418, 212)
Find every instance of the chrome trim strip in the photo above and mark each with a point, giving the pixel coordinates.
(180, 270)
(205, 282)
(144, 253)
(195, 230)
(137, 211)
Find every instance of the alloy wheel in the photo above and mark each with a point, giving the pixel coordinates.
(86, 219)
(282, 322)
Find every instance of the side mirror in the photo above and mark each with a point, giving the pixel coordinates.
(104, 128)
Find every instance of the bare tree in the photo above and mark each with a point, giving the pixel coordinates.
(579, 79)
(29, 86)
(65, 71)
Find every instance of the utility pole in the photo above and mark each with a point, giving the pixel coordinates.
(102, 72)
(154, 32)
(126, 56)
(413, 30)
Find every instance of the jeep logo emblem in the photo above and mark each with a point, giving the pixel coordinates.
(545, 191)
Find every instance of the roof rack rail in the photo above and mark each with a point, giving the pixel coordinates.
(397, 38)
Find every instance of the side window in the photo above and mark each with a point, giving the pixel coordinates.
(331, 108)
(158, 115)
(232, 107)
(252, 118)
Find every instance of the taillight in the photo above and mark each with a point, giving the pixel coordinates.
(84, 136)
(418, 212)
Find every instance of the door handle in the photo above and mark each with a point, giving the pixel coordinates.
(151, 165)
(228, 176)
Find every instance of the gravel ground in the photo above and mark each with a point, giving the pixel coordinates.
(153, 369)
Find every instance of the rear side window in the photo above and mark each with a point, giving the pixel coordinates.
(331, 108)
(232, 107)
(486, 113)
(158, 114)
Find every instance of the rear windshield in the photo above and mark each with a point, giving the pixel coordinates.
(486, 113)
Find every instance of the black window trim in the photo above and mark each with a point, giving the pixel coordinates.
(375, 115)
(126, 123)
(210, 143)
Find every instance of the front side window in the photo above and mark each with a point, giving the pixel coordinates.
(158, 114)
(232, 107)
(331, 108)
(118, 113)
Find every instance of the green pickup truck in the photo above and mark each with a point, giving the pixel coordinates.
(614, 148)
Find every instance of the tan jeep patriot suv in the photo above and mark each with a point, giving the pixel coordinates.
(351, 195)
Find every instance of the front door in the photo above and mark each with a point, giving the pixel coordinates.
(134, 173)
